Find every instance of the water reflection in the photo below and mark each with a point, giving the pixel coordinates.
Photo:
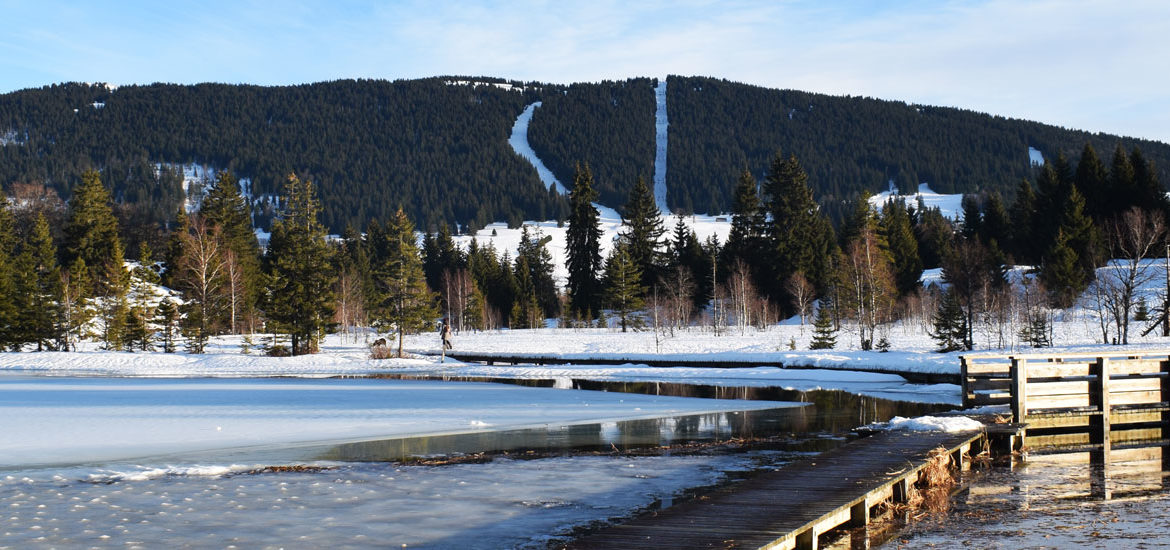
(820, 425)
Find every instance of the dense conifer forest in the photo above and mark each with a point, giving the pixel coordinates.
(849, 144)
(438, 147)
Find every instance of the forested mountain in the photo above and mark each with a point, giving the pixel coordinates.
(438, 147)
(439, 150)
(719, 128)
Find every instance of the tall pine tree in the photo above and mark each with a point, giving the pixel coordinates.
(403, 301)
(299, 295)
(583, 245)
(643, 231)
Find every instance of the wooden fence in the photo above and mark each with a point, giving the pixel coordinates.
(1075, 398)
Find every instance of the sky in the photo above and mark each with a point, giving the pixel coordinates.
(1087, 64)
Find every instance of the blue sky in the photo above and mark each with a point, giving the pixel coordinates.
(1088, 64)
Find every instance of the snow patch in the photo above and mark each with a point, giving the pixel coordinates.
(1035, 157)
(948, 424)
(951, 206)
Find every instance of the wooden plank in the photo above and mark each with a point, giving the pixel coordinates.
(779, 508)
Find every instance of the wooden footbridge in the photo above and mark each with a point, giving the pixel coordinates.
(793, 506)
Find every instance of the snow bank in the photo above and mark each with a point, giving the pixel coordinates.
(931, 424)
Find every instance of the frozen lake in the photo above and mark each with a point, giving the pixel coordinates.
(142, 462)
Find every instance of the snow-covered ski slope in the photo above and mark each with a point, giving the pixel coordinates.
(519, 143)
(661, 127)
(508, 239)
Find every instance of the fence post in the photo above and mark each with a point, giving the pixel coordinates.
(1099, 398)
(963, 381)
(1019, 395)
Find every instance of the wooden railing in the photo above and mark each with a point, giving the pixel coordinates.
(1060, 392)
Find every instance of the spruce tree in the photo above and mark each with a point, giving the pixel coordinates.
(795, 228)
(643, 231)
(167, 316)
(583, 245)
(46, 314)
(624, 289)
(526, 311)
(824, 334)
(949, 325)
(1061, 274)
(1024, 246)
(534, 250)
(227, 210)
(91, 232)
(903, 247)
(403, 300)
(299, 297)
(9, 325)
(1093, 182)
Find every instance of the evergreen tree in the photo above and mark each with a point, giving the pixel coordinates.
(534, 250)
(583, 245)
(895, 226)
(1093, 183)
(996, 227)
(526, 311)
(299, 297)
(113, 308)
(227, 210)
(795, 226)
(824, 333)
(45, 305)
(1061, 274)
(404, 302)
(1035, 332)
(167, 316)
(1024, 246)
(748, 222)
(687, 254)
(950, 327)
(643, 231)
(9, 325)
(624, 289)
(24, 282)
(91, 233)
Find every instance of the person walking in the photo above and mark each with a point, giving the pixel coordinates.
(446, 332)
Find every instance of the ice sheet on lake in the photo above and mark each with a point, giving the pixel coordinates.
(56, 420)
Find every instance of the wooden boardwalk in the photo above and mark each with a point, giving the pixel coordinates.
(666, 361)
(792, 506)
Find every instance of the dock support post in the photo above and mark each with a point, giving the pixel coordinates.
(807, 540)
(901, 491)
(1019, 390)
(1099, 398)
(859, 514)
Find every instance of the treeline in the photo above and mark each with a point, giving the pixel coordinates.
(850, 144)
(63, 278)
(438, 150)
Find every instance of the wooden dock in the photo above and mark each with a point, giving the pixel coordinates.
(1076, 399)
(792, 506)
(666, 361)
